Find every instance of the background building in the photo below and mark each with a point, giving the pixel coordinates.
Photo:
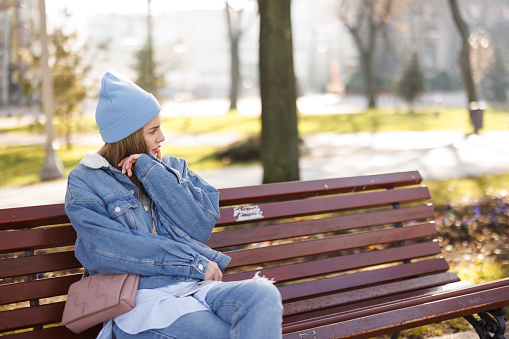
(192, 49)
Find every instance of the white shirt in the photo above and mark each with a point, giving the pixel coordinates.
(158, 308)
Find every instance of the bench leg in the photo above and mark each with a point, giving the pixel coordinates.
(490, 325)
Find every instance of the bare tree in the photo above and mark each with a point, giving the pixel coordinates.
(365, 19)
(145, 65)
(279, 139)
(235, 32)
(464, 58)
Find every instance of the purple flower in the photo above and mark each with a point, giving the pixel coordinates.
(477, 211)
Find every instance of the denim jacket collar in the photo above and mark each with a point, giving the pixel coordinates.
(94, 160)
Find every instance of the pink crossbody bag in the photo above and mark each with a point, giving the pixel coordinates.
(95, 299)
(98, 298)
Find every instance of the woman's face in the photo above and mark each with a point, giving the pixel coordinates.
(153, 134)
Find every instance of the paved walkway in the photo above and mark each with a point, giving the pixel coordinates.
(436, 154)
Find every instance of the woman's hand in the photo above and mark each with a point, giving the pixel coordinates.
(213, 272)
(128, 163)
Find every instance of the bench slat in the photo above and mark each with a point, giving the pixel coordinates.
(367, 293)
(311, 188)
(342, 263)
(337, 243)
(37, 289)
(309, 227)
(359, 279)
(305, 207)
(38, 264)
(37, 238)
(31, 316)
(408, 313)
(58, 332)
(385, 304)
(33, 216)
(365, 307)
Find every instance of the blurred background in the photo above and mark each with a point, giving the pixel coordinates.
(190, 47)
(347, 87)
(372, 85)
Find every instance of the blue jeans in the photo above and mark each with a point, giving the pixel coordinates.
(241, 309)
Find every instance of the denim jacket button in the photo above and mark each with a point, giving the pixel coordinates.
(200, 267)
(132, 191)
(117, 209)
(146, 208)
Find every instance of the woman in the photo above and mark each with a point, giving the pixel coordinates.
(139, 213)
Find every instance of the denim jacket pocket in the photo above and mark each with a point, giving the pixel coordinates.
(123, 210)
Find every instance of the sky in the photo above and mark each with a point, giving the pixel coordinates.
(82, 10)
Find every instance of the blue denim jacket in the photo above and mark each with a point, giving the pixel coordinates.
(114, 227)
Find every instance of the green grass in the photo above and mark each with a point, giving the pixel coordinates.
(21, 165)
(78, 126)
(380, 120)
(481, 272)
(224, 124)
(369, 121)
(435, 330)
(468, 189)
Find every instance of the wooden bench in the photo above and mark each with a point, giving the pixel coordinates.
(352, 257)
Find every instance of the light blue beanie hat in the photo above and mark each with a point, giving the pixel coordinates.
(123, 108)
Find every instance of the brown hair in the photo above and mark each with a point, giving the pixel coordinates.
(132, 144)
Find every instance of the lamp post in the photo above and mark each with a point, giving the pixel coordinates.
(52, 167)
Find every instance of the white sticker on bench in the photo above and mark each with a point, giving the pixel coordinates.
(243, 213)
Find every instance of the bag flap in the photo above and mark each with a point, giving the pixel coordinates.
(97, 293)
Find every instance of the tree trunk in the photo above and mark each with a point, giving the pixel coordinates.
(464, 59)
(367, 75)
(234, 34)
(235, 74)
(279, 137)
(365, 41)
